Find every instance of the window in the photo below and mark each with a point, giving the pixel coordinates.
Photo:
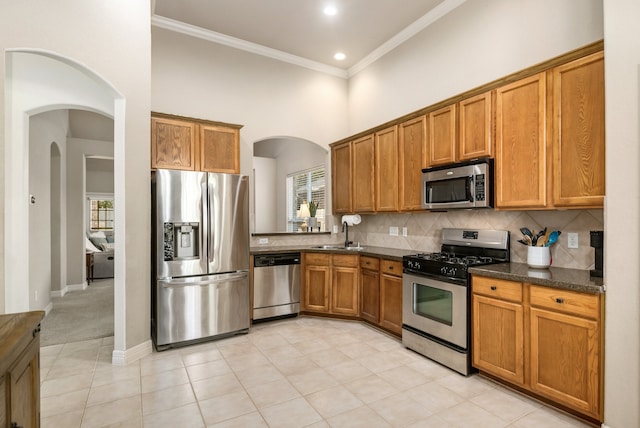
(101, 214)
(303, 187)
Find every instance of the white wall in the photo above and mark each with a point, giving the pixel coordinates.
(476, 43)
(264, 181)
(197, 78)
(44, 129)
(100, 175)
(622, 214)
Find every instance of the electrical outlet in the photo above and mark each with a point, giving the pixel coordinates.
(393, 231)
(573, 240)
(36, 295)
(335, 228)
(264, 240)
(404, 231)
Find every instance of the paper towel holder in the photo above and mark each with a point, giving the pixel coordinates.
(351, 219)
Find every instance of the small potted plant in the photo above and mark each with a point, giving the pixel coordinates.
(313, 221)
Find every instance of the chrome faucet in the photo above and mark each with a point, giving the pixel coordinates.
(345, 228)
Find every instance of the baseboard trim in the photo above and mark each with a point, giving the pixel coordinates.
(122, 358)
(48, 308)
(59, 293)
(68, 288)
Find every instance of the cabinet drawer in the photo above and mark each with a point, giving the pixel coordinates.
(317, 259)
(369, 263)
(569, 302)
(497, 288)
(391, 267)
(345, 260)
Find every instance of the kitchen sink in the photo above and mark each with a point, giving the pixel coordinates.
(337, 247)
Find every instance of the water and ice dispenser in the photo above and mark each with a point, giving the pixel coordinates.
(181, 241)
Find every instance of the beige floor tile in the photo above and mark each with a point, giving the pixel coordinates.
(404, 377)
(362, 417)
(507, 406)
(329, 357)
(380, 361)
(83, 347)
(113, 391)
(466, 387)
(63, 403)
(63, 420)
(202, 354)
(67, 367)
(348, 371)
(371, 388)
(226, 407)
(399, 410)
(333, 401)
(185, 416)
(435, 422)
(207, 370)
(291, 414)
(430, 369)
(254, 376)
(264, 341)
(237, 349)
(65, 384)
(311, 346)
(357, 349)
(467, 414)
(271, 393)
(546, 417)
(434, 397)
(165, 399)
(247, 361)
(250, 420)
(112, 374)
(125, 411)
(312, 381)
(160, 363)
(282, 352)
(164, 380)
(289, 366)
(216, 386)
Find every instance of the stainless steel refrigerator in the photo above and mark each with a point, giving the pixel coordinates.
(200, 256)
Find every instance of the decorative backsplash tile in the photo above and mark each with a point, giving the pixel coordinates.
(424, 228)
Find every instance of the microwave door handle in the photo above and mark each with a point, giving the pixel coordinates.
(470, 195)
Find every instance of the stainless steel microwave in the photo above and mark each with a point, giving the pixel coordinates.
(462, 185)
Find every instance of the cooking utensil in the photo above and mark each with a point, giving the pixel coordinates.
(541, 241)
(553, 237)
(526, 232)
(528, 240)
(522, 241)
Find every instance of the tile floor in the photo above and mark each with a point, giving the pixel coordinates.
(303, 372)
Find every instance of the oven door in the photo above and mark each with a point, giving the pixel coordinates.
(436, 308)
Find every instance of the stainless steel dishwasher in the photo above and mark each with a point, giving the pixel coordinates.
(276, 285)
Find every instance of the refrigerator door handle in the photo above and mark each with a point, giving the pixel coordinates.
(202, 281)
(212, 228)
(204, 210)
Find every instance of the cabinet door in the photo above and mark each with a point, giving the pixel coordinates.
(363, 175)
(370, 295)
(317, 287)
(442, 136)
(412, 152)
(386, 169)
(4, 410)
(520, 144)
(391, 303)
(475, 127)
(578, 133)
(498, 338)
(219, 149)
(341, 180)
(24, 387)
(173, 144)
(344, 291)
(565, 360)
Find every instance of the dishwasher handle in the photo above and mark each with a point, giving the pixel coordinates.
(282, 259)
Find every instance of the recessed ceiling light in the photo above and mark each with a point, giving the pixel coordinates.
(330, 10)
(339, 56)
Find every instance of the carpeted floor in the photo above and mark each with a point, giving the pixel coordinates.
(80, 315)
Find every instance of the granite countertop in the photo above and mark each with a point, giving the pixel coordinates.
(367, 250)
(568, 279)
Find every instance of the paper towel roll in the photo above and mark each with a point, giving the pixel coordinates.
(352, 219)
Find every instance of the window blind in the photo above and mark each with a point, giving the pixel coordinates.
(303, 187)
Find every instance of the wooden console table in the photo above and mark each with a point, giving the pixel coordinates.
(89, 260)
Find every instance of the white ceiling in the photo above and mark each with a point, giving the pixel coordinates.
(299, 32)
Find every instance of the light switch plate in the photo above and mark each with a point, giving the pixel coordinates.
(404, 231)
(335, 228)
(393, 231)
(573, 240)
(264, 240)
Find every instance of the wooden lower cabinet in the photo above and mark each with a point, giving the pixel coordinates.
(391, 303)
(370, 289)
(20, 369)
(331, 284)
(545, 340)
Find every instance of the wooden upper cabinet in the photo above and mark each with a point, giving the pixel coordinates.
(578, 133)
(521, 144)
(219, 149)
(173, 144)
(386, 169)
(194, 144)
(476, 127)
(442, 136)
(363, 175)
(412, 149)
(341, 178)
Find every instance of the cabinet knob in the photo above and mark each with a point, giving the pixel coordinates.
(36, 331)
(390, 267)
(494, 288)
(559, 300)
(15, 425)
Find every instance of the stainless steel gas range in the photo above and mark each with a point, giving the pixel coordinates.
(436, 295)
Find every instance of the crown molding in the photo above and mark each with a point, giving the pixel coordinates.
(418, 25)
(212, 36)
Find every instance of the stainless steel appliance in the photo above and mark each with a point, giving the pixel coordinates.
(462, 185)
(200, 250)
(436, 297)
(276, 285)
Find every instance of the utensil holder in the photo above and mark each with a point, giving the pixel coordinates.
(539, 257)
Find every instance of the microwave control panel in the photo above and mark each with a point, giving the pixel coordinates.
(480, 186)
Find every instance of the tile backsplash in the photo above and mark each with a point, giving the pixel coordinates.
(424, 228)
